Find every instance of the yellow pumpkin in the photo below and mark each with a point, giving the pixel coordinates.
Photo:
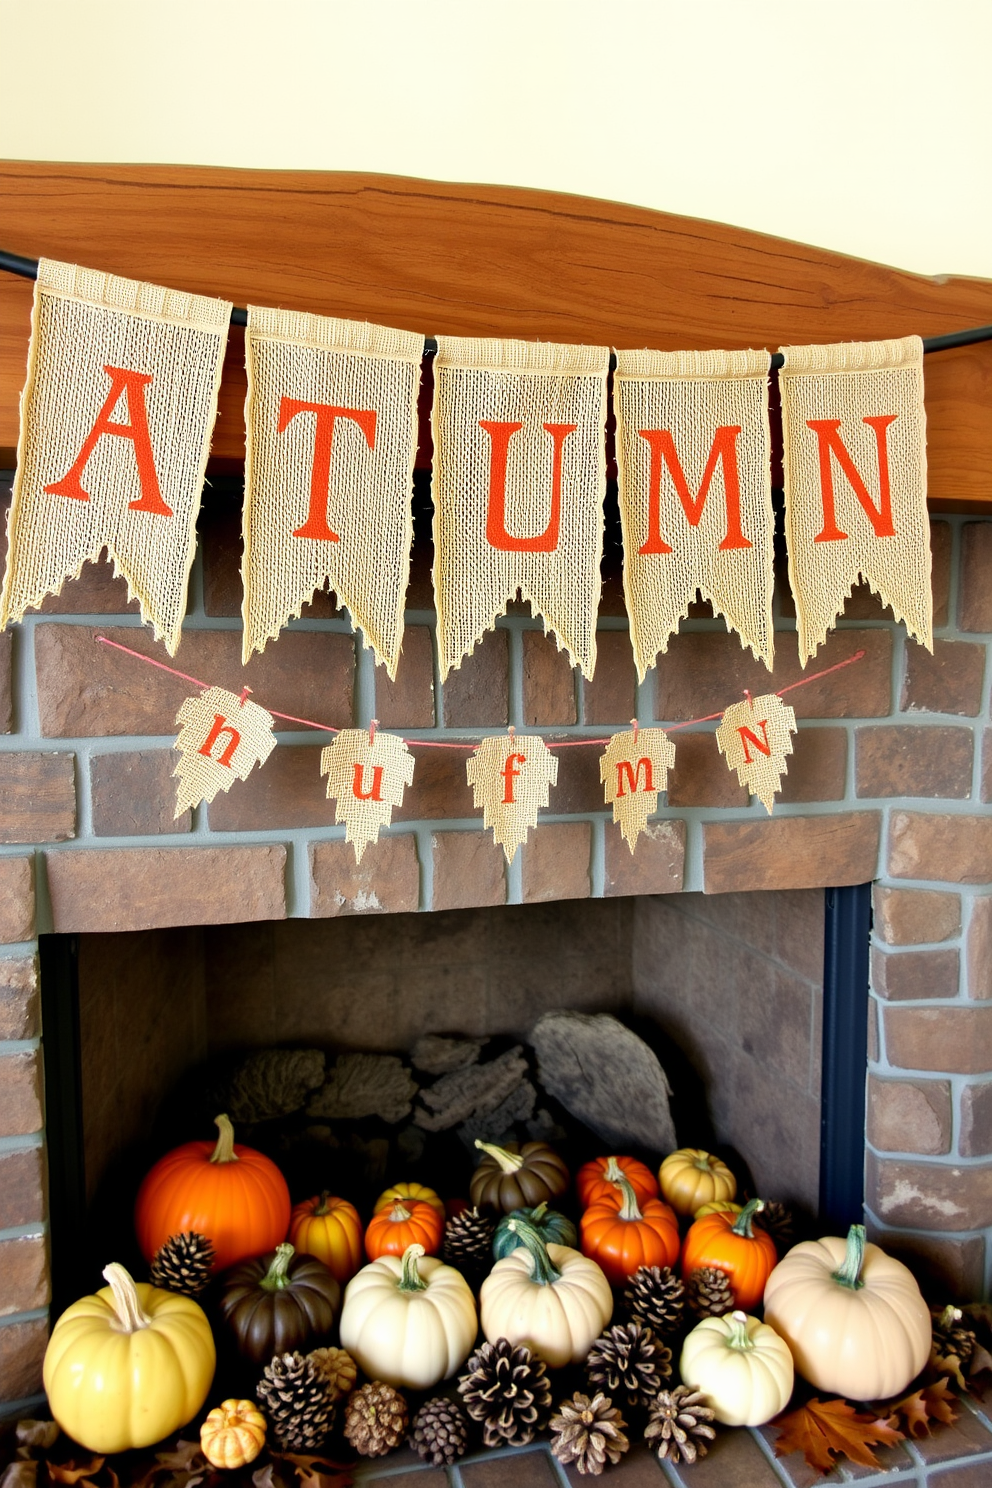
(690, 1178)
(718, 1206)
(233, 1434)
(742, 1366)
(128, 1366)
(400, 1192)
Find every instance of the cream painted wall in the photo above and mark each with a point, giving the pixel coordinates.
(860, 125)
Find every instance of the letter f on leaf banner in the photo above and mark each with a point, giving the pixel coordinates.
(755, 737)
(634, 770)
(511, 777)
(367, 774)
(223, 737)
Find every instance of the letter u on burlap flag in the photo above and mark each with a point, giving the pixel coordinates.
(116, 418)
(854, 434)
(519, 483)
(331, 421)
(693, 465)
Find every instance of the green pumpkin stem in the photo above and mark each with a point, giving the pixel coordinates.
(614, 1172)
(848, 1273)
(738, 1338)
(275, 1279)
(224, 1151)
(410, 1279)
(321, 1208)
(545, 1272)
(130, 1315)
(510, 1162)
(539, 1211)
(742, 1225)
(628, 1209)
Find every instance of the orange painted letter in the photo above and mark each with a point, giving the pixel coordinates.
(316, 524)
(830, 442)
(631, 774)
(221, 726)
(723, 448)
(496, 533)
(761, 745)
(358, 782)
(132, 386)
(510, 773)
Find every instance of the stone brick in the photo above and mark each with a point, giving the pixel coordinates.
(975, 1131)
(95, 592)
(133, 793)
(556, 862)
(549, 682)
(86, 689)
(948, 1268)
(24, 1268)
(700, 776)
(22, 1353)
(704, 671)
(655, 867)
(611, 695)
(949, 681)
(929, 1195)
(789, 852)
(978, 954)
(6, 682)
(951, 849)
(20, 1013)
(941, 542)
(975, 601)
(469, 870)
(477, 694)
(420, 591)
(21, 1112)
(817, 768)
(16, 900)
(915, 916)
(22, 1187)
(903, 976)
(287, 793)
(386, 881)
(909, 1115)
(37, 797)
(409, 701)
(123, 888)
(951, 1040)
(579, 787)
(440, 789)
(986, 783)
(900, 760)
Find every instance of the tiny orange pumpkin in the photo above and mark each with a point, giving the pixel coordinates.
(730, 1243)
(403, 1192)
(596, 1181)
(393, 1231)
(233, 1434)
(331, 1230)
(622, 1240)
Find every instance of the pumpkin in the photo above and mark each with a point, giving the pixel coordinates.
(129, 1365)
(718, 1206)
(409, 1322)
(550, 1225)
(413, 1222)
(549, 1297)
(595, 1182)
(233, 1434)
(622, 1240)
(733, 1244)
(404, 1191)
(331, 1230)
(232, 1194)
(279, 1302)
(852, 1316)
(515, 1177)
(743, 1367)
(691, 1177)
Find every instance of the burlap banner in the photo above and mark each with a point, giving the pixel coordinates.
(511, 778)
(854, 431)
(367, 773)
(116, 418)
(223, 737)
(755, 736)
(519, 482)
(693, 453)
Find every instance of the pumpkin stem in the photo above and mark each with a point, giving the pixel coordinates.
(539, 1210)
(614, 1172)
(224, 1151)
(410, 1280)
(130, 1314)
(398, 1215)
(742, 1225)
(510, 1162)
(738, 1337)
(545, 1271)
(703, 1161)
(628, 1209)
(848, 1274)
(321, 1208)
(275, 1278)
(950, 1316)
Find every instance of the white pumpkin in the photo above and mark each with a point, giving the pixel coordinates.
(852, 1316)
(410, 1322)
(742, 1367)
(549, 1297)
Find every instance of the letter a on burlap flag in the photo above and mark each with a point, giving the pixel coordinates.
(367, 774)
(634, 770)
(694, 480)
(511, 777)
(331, 420)
(223, 737)
(755, 736)
(116, 419)
(519, 483)
(854, 434)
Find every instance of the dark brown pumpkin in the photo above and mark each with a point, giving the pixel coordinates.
(279, 1302)
(515, 1177)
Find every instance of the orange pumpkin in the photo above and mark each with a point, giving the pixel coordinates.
(730, 1242)
(234, 1195)
(403, 1192)
(331, 1230)
(596, 1181)
(622, 1240)
(391, 1231)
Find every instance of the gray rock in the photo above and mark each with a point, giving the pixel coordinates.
(495, 1125)
(273, 1082)
(365, 1085)
(475, 1091)
(437, 1055)
(605, 1076)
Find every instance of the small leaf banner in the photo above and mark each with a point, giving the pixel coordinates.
(367, 774)
(755, 737)
(634, 770)
(511, 777)
(223, 737)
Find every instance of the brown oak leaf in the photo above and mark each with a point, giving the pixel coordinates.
(183, 1468)
(69, 1472)
(940, 1402)
(822, 1429)
(20, 1474)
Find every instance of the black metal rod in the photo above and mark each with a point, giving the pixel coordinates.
(845, 1057)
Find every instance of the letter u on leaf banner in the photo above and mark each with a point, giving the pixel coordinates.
(755, 737)
(511, 777)
(634, 770)
(366, 777)
(223, 737)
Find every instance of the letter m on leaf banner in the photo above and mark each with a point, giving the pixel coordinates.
(634, 770)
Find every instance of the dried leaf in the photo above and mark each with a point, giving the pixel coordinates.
(43, 1434)
(949, 1364)
(183, 1468)
(981, 1360)
(940, 1402)
(22, 1474)
(822, 1429)
(914, 1413)
(267, 1477)
(68, 1472)
(316, 1472)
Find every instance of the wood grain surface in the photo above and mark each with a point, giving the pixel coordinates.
(482, 260)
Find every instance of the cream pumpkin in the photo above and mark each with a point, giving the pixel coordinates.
(741, 1365)
(852, 1316)
(548, 1297)
(409, 1322)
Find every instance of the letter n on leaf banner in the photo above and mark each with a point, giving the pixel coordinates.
(366, 778)
(755, 737)
(223, 737)
(634, 770)
(511, 777)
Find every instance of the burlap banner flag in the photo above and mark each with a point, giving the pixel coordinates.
(854, 432)
(223, 737)
(367, 773)
(116, 418)
(693, 462)
(519, 483)
(331, 421)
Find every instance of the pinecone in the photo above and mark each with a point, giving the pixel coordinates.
(952, 1338)
(507, 1390)
(439, 1432)
(629, 1359)
(294, 1394)
(338, 1368)
(468, 1245)
(588, 1433)
(779, 1220)
(709, 1292)
(656, 1298)
(375, 1419)
(678, 1428)
(183, 1264)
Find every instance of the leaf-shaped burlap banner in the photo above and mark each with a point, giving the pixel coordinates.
(367, 773)
(116, 419)
(854, 436)
(755, 737)
(511, 777)
(634, 770)
(223, 737)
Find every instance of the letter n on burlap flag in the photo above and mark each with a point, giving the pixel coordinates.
(116, 418)
(519, 483)
(331, 420)
(694, 480)
(854, 434)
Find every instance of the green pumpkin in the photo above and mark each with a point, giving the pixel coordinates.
(553, 1228)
